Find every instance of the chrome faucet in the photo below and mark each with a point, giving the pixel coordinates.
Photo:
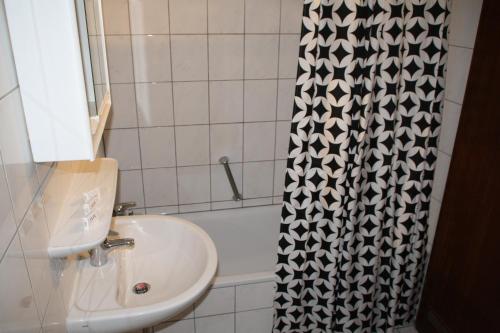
(123, 209)
(99, 254)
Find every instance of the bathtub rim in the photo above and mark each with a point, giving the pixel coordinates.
(241, 279)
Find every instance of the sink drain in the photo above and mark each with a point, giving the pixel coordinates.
(141, 288)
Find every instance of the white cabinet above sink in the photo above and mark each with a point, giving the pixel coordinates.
(60, 55)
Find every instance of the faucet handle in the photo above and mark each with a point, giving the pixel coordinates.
(123, 208)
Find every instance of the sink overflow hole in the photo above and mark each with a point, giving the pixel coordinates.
(141, 288)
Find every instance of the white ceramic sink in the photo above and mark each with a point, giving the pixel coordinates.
(175, 257)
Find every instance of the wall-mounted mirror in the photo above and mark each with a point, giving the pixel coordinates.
(91, 33)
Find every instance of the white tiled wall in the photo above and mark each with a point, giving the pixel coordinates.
(32, 296)
(243, 308)
(463, 27)
(193, 81)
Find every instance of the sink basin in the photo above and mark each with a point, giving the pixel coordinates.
(176, 259)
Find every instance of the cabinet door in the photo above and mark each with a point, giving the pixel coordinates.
(462, 289)
(65, 106)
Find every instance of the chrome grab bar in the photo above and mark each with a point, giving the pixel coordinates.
(224, 160)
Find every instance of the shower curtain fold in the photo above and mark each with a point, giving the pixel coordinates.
(363, 147)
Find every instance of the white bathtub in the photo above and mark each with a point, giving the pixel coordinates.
(246, 241)
(241, 297)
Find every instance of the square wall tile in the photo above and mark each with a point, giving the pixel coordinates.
(260, 100)
(7, 222)
(17, 304)
(192, 145)
(289, 56)
(189, 57)
(226, 57)
(261, 56)
(123, 111)
(440, 175)
(286, 96)
(119, 52)
(214, 302)
(188, 17)
(254, 296)
(226, 140)
(256, 321)
(225, 16)
(291, 16)
(457, 73)
(278, 200)
(16, 154)
(151, 58)
(282, 139)
(8, 79)
(449, 126)
(226, 101)
(130, 187)
(154, 104)
(149, 16)
(123, 145)
(259, 141)
(262, 16)
(258, 179)
(215, 324)
(115, 16)
(160, 187)
(191, 103)
(464, 22)
(157, 147)
(182, 326)
(221, 189)
(194, 184)
(279, 177)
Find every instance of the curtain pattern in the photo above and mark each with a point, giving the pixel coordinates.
(363, 146)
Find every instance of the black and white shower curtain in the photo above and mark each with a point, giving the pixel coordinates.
(363, 147)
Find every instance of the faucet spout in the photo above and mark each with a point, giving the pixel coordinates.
(99, 254)
(112, 243)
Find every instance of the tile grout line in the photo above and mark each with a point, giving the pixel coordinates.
(136, 107)
(173, 104)
(276, 106)
(200, 124)
(213, 80)
(5, 95)
(198, 165)
(453, 102)
(461, 46)
(209, 112)
(243, 106)
(217, 33)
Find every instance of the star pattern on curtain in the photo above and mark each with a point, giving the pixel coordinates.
(363, 147)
